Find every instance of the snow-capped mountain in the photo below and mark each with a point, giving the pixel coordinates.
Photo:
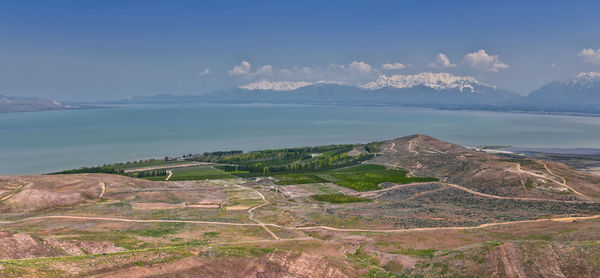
(282, 85)
(275, 85)
(580, 92)
(582, 81)
(438, 81)
(423, 89)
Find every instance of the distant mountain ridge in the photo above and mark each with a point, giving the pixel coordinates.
(440, 90)
(576, 94)
(580, 92)
(12, 104)
(438, 81)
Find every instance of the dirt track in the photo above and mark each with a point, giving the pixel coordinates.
(564, 181)
(562, 219)
(381, 191)
(251, 212)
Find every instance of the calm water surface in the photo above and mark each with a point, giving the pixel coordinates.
(41, 142)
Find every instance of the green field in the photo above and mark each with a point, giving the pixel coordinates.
(287, 179)
(339, 198)
(360, 177)
(368, 177)
(199, 173)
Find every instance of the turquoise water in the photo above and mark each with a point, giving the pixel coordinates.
(41, 142)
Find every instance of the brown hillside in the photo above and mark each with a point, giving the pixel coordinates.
(492, 174)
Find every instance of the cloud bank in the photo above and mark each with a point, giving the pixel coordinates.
(590, 56)
(393, 66)
(441, 62)
(483, 61)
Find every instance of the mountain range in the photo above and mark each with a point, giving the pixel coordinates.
(12, 104)
(579, 93)
(576, 94)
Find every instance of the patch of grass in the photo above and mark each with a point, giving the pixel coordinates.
(211, 234)
(378, 273)
(339, 198)
(363, 259)
(544, 237)
(304, 178)
(248, 252)
(393, 267)
(368, 177)
(163, 229)
(419, 253)
(199, 173)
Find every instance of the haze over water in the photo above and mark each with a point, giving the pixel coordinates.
(41, 142)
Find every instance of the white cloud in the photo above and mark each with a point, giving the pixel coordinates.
(360, 67)
(264, 70)
(441, 62)
(353, 72)
(590, 55)
(393, 66)
(553, 65)
(483, 61)
(243, 68)
(206, 71)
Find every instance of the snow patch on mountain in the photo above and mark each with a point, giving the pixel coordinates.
(437, 81)
(581, 81)
(282, 85)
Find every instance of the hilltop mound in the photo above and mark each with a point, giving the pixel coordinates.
(487, 173)
(41, 192)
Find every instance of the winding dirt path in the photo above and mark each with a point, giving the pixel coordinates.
(564, 181)
(375, 193)
(103, 186)
(410, 146)
(251, 212)
(563, 219)
(15, 191)
(559, 219)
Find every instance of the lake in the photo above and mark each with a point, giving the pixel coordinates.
(41, 142)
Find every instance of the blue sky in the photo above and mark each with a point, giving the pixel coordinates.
(96, 50)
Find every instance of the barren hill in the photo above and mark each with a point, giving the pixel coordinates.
(487, 173)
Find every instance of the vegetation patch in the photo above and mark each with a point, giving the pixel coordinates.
(419, 253)
(242, 251)
(368, 177)
(288, 179)
(163, 229)
(199, 173)
(339, 198)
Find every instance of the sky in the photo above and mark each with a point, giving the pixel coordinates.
(102, 50)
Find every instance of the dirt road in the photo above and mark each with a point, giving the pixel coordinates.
(251, 212)
(381, 191)
(560, 219)
(564, 181)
